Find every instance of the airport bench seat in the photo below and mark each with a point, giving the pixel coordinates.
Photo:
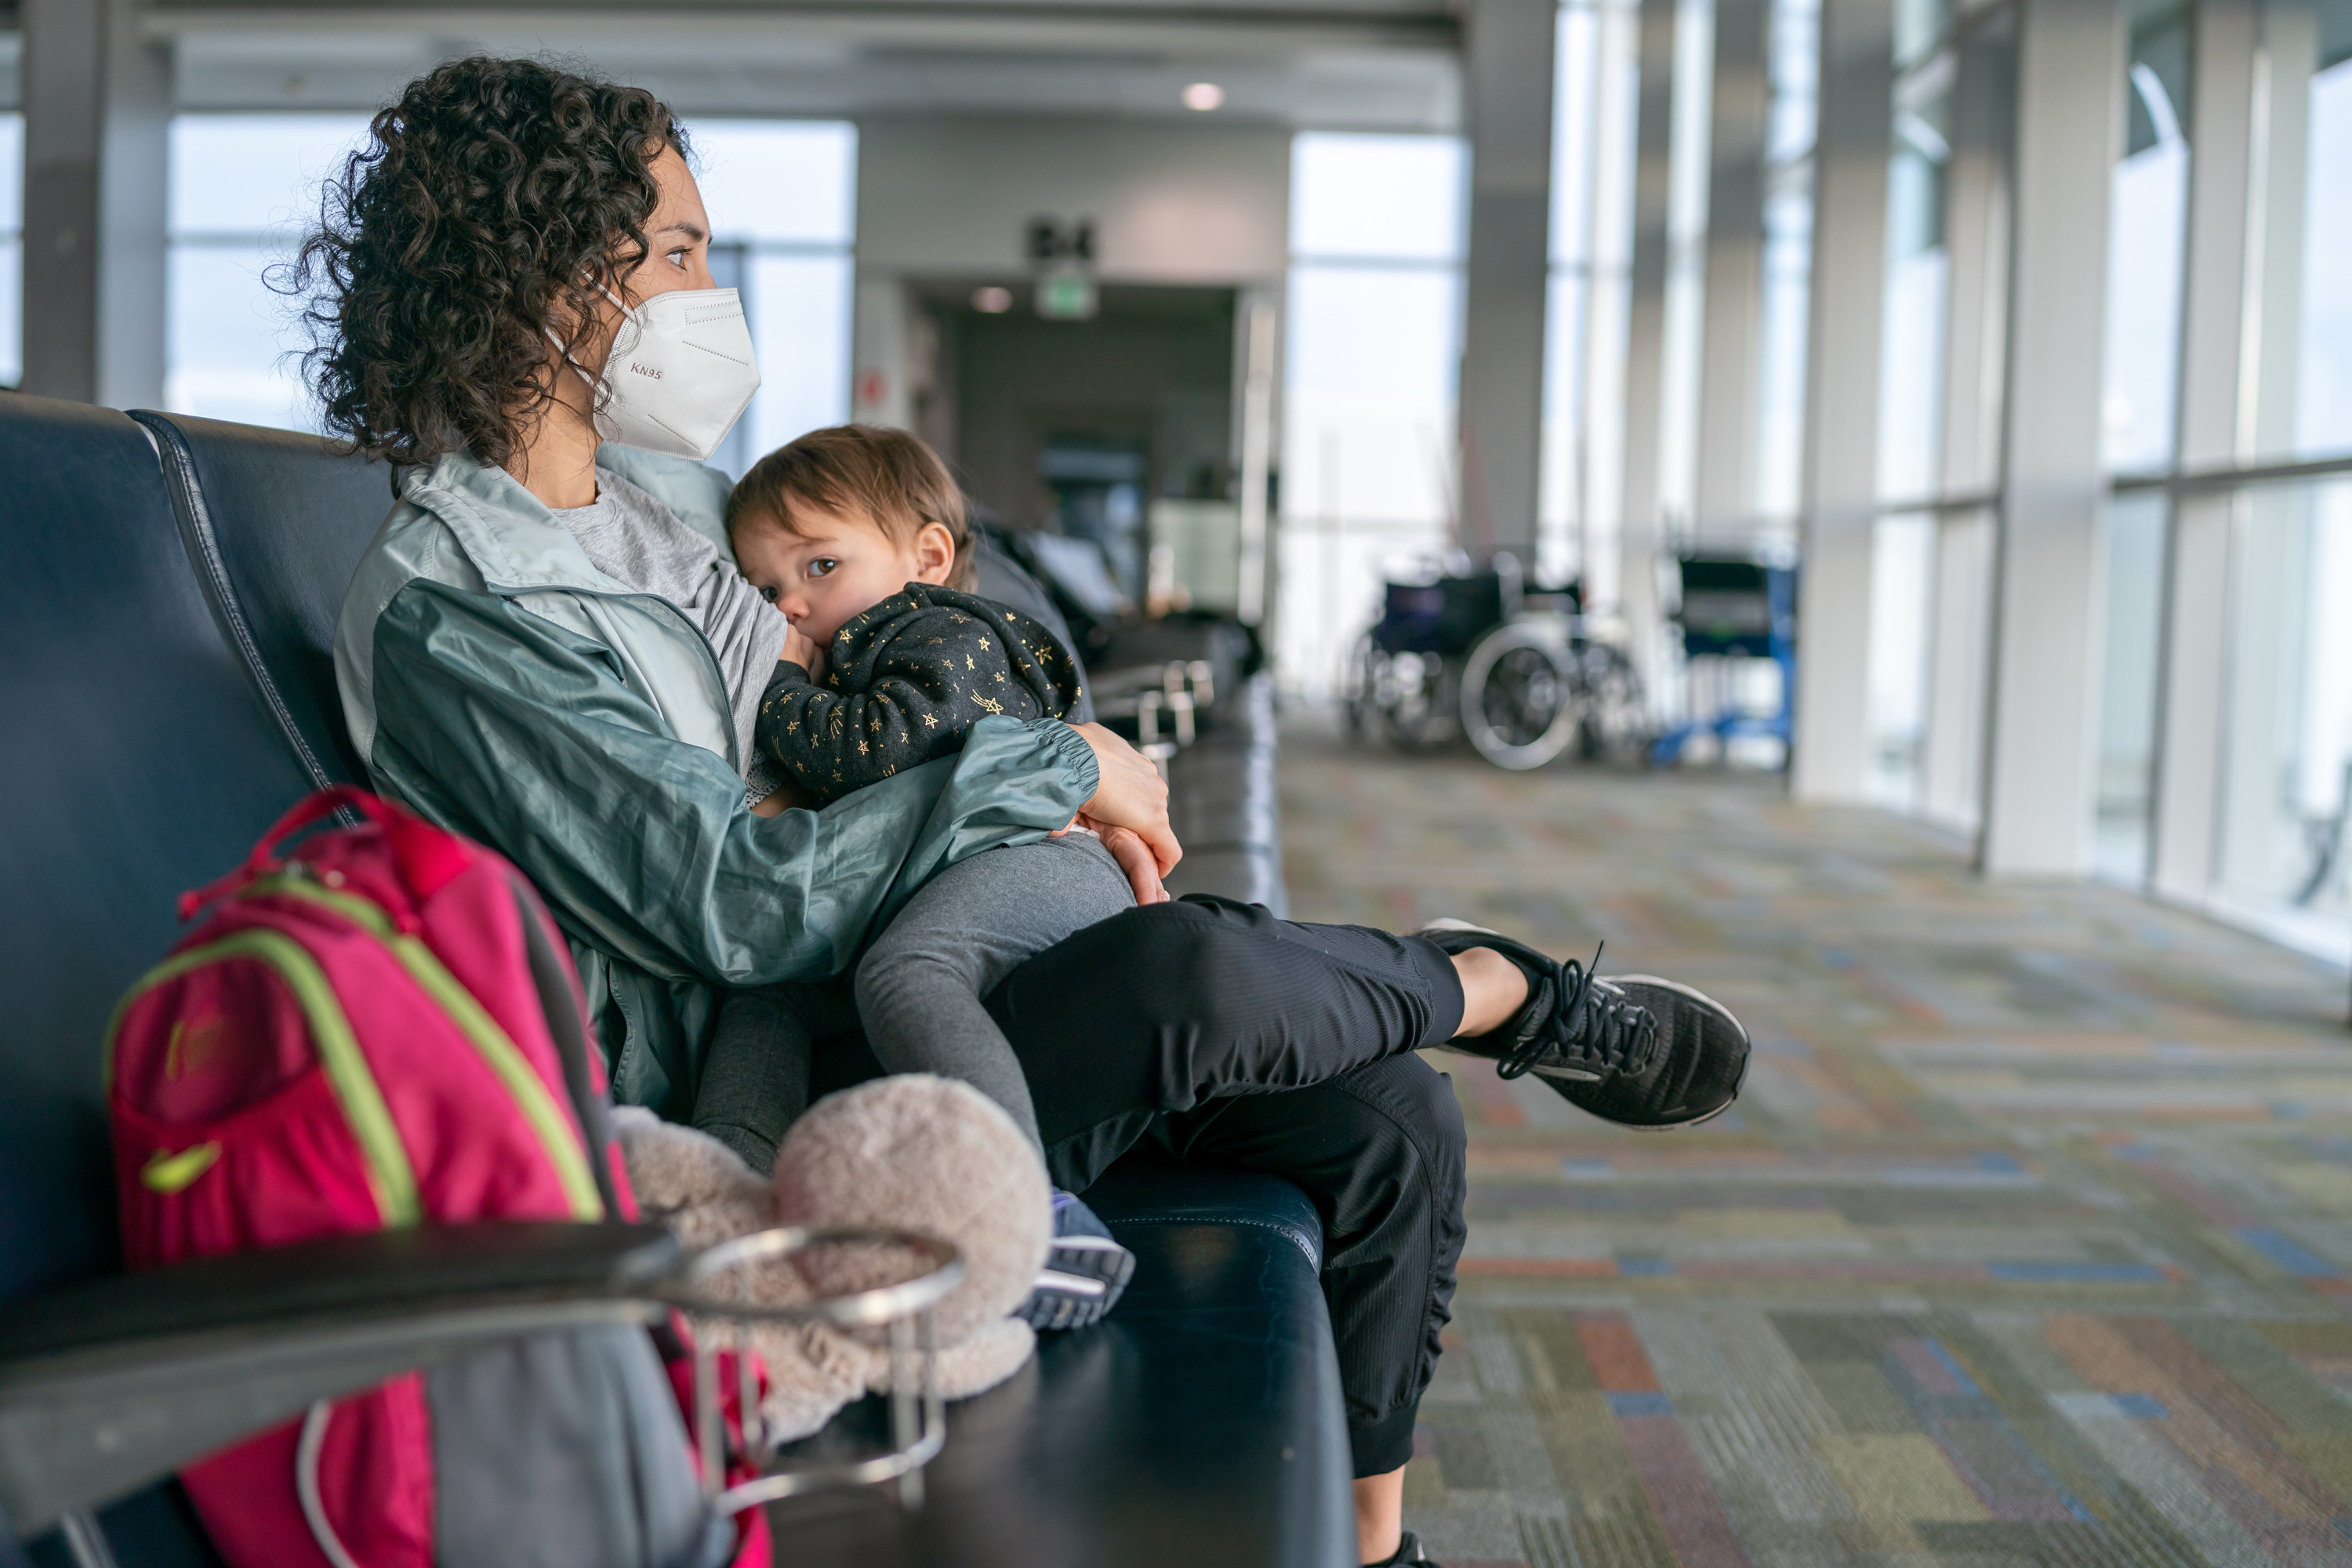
(166, 598)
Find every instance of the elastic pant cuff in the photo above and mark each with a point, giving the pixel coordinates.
(1436, 967)
(1382, 1443)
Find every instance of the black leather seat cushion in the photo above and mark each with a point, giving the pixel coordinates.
(276, 522)
(134, 762)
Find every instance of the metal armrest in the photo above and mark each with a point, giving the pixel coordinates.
(108, 1385)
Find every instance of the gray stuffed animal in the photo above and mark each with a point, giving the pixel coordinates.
(915, 1153)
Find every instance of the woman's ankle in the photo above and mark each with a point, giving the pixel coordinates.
(1494, 989)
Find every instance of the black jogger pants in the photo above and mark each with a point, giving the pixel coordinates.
(1223, 1034)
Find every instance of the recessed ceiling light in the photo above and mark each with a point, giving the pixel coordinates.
(1204, 95)
(992, 300)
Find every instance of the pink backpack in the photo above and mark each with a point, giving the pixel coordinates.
(383, 1031)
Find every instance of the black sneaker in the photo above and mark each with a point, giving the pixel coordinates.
(1085, 1272)
(1633, 1050)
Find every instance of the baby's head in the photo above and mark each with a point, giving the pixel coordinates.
(838, 520)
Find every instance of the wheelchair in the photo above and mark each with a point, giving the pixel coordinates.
(1521, 676)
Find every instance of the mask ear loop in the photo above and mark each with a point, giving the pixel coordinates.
(596, 382)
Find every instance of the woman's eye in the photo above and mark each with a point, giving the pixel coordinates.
(823, 566)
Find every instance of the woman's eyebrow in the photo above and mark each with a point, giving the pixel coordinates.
(693, 232)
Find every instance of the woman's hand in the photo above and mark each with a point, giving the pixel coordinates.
(1129, 794)
(799, 651)
(1134, 857)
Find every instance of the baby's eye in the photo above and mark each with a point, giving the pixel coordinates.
(769, 594)
(823, 566)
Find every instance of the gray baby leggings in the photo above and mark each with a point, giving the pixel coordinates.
(919, 986)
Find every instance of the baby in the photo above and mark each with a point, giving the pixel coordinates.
(858, 534)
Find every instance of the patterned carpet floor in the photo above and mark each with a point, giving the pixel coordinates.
(2028, 1246)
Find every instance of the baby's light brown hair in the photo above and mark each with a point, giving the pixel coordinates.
(888, 475)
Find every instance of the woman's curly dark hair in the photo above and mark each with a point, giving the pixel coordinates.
(490, 206)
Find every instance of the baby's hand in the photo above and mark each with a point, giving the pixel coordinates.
(799, 651)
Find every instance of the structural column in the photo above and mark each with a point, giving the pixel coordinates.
(1840, 437)
(97, 121)
(1731, 352)
(1639, 520)
(2043, 711)
(1509, 82)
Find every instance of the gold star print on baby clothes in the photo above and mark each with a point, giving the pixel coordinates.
(862, 748)
(984, 702)
(967, 663)
(929, 722)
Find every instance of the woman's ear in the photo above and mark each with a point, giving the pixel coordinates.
(935, 553)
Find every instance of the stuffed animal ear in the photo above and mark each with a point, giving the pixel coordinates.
(675, 1168)
(926, 1154)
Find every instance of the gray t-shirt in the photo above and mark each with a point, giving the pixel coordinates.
(640, 543)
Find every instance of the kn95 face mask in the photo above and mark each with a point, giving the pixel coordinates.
(679, 374)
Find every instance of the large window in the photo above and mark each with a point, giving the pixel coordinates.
(1593, 102)
(2148, 223)
(2303, 292)
(1788, 258)
(2286, 826)
(1918, 272)
(781, 196)
(1374, 331)
(244, 186)
(1902, 587)
(12, 248)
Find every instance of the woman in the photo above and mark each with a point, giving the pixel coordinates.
(527, 661)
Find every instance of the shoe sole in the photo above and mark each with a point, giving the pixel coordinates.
(1746, 1060)
(1083, 1279)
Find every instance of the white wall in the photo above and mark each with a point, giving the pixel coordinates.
(1172, 203)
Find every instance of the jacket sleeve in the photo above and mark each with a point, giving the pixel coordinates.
(500, 724)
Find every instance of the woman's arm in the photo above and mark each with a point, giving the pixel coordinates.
(502, 725)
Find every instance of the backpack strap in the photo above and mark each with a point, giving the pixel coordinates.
(559, 998)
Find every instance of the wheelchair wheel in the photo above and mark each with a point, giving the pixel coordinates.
(1417, 699)
(1363, 682)
(1518, 696)
(1614, 726)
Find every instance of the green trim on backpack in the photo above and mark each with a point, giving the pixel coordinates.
(389, 1175)
(540, 1108)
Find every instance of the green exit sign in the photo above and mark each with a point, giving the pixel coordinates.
(1066, 295)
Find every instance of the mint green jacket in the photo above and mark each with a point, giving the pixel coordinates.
(497, 683)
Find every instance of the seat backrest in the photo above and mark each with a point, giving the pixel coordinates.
(134, 762)
(276, 522)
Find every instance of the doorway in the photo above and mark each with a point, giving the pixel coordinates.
(1118, 430)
